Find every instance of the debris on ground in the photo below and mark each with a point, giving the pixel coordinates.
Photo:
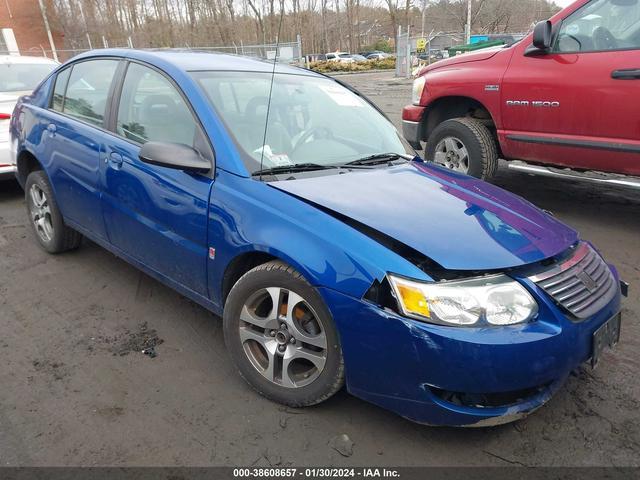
(57, 370)
(342, 444)
(151, 351)
(144, 340)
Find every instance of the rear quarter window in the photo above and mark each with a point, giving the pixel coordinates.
(58, 90)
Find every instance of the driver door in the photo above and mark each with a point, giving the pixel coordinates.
(579, 105)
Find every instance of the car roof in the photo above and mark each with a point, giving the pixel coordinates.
(193, 60)
(26, 59)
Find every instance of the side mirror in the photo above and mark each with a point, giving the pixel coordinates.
(173, 155)
(542, 35)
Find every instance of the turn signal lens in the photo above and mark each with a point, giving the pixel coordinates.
(413, 300)
(416, 90)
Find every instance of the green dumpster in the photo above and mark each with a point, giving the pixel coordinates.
(471, 47)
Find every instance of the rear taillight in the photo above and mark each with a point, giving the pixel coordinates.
(5, 116)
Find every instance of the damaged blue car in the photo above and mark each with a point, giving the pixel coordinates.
(287, 203)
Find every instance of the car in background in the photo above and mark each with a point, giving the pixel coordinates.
(358, 58)
(370, 52)
(342, 57)
(329, 248)
(434, 56)
(18, 76)
(377, 56)
(315, 57)
(561, 102)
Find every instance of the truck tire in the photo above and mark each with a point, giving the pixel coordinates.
(281, 336)
(45, 217)
(465, 145)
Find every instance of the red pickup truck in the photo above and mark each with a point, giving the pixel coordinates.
(567, 95)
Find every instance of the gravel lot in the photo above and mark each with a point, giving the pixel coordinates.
(75, 389)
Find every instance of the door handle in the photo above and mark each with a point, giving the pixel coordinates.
(51, 128)
(115, 160)
(626, 74)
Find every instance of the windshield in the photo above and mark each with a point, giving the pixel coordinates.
(311, 120)
(22, 77)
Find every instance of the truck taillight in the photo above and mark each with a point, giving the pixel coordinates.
(5, 116)
(416, 90)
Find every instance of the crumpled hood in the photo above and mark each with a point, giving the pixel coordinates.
(476, 56)
(457, 221)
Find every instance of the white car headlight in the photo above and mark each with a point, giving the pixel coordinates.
(492, 300)
(416, 90)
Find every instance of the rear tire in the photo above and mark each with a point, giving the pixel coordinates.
(289, 353)
(465, 145)
(45, 217)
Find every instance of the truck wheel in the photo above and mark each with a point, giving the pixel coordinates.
(45, 217)
(465, 145)
(281, 336)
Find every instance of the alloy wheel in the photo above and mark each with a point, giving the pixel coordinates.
(451, 153)
(283, 337)
(40, 213)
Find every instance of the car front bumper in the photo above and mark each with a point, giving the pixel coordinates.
(422, 371)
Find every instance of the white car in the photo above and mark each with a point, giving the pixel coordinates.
(342, 57)
(18, 76)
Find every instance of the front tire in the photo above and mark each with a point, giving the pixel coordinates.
(465, 145)
(281, 336)
(45, 217)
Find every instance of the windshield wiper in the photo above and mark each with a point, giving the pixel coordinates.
(364, 163)
(376, 159)
(298, 167)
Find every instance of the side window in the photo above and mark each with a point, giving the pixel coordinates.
(58, 91)
(151, 109)
(88, 90)
(601, 25)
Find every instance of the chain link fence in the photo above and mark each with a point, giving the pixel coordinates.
(403, 55)
(416, 51)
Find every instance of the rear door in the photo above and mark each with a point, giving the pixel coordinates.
(579, 105)
(156, 215)
(74, 140)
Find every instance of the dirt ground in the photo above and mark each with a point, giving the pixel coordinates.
(76, 390)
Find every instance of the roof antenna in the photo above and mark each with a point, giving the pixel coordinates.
(273, 74)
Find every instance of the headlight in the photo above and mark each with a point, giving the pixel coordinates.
(416, 90)
(494, 300)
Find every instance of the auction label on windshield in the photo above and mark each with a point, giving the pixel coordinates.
(316, 472)
(342, 96)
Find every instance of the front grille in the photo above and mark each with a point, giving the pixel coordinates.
(583, 284)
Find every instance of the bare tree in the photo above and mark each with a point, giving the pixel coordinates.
(323, 25)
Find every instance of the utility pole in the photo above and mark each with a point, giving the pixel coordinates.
(43, 10)
(468, 28)
(86, 27)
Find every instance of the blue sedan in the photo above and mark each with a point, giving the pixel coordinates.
(287, 203)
